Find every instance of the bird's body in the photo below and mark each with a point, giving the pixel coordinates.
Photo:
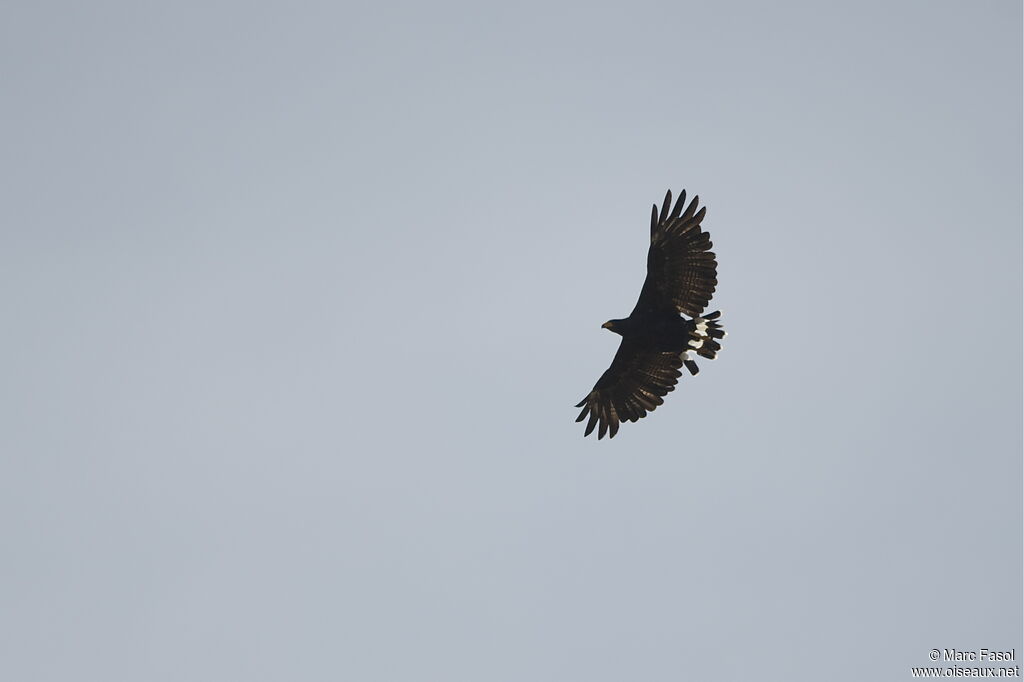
(659, 331)
(657, 338)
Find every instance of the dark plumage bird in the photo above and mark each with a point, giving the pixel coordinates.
(657, 338)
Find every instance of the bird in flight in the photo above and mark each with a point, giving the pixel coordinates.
(657, 337)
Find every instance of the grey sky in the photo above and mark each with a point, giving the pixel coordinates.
(297, 301)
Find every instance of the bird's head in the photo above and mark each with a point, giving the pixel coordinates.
(614, 326)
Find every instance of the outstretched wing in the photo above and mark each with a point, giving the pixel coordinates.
(681, 269)
(634, 385)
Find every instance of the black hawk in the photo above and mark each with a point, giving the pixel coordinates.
(657, 337)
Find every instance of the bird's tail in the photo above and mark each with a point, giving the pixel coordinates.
(704, 339)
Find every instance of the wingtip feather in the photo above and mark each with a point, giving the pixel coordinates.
(665, 206)
(680, 203)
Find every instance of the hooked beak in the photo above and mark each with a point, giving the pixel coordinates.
(606, 325)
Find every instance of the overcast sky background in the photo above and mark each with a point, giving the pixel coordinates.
(297, 299)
